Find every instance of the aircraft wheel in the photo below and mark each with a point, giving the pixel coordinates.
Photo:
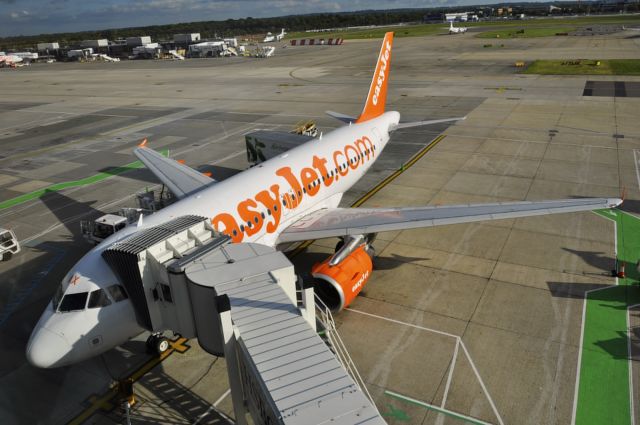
(162, 345)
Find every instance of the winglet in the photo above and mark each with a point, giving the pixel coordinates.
(377, 96)
(143, 143)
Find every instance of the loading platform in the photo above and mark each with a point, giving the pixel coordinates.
(241, 302)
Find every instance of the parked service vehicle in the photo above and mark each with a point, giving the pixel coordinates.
(9, 244)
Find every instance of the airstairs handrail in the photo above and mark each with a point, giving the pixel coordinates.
(325, 316)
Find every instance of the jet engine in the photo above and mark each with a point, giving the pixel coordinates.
(338, 285)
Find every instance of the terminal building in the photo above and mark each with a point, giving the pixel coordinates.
(138, 41)
(186, 39)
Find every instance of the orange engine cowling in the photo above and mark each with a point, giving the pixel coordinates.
(338, 285)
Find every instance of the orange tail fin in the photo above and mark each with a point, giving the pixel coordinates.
(377, 96)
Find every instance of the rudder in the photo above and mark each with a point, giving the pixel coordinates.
(377, 97)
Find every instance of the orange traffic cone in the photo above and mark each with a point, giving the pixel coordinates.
(621, 270)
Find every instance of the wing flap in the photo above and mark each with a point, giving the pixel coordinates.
(179, 178)
(351, 221)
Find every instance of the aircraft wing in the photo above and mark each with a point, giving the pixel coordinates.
(180, 179)
(341, 117)
(402, 125)
(355, 221)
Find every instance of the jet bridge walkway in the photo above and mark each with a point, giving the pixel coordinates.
(239, 300)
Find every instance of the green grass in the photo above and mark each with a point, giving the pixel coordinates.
(545, 24)
(603, 393)
(585, 67)
(526, 32)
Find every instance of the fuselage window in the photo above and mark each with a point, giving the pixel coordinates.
(117, 293)
(73, 302)
(98, 299)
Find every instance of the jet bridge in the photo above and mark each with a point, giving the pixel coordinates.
(240, 301)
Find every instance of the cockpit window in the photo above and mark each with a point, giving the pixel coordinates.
(57, 297)
(117, 292)
(98, 299)
(73, 302)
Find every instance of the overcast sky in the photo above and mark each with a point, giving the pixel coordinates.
(27, 17)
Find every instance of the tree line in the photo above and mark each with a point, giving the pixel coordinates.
(227, 28)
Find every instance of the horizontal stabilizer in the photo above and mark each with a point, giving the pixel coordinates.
(402, 125)
(359, 221)
(341, 117)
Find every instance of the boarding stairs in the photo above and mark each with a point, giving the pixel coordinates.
(176, 55)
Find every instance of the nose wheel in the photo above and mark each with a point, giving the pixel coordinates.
(157, 344)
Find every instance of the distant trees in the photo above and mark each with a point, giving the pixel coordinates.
(227, 28)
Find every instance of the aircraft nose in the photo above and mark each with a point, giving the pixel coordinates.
(47, 349)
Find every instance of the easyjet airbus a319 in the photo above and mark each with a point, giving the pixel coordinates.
(288, 198)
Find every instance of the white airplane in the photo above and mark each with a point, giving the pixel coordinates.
(271, 38)
(291, 197)
(10, 60)
(456, 30)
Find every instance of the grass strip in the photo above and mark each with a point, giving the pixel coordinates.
(585, 67)
(74, 183)
(603, 393)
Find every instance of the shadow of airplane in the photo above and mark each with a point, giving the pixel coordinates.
(617, 347)
(595, 259)
(172, 402)
(631, 205)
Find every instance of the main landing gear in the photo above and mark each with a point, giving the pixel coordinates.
(157, 344)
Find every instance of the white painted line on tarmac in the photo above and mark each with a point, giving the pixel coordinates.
(484, 388)
(99, 207)
(222, 397)
(633, 407)
(215, 404)
(388, 319)
(453, 364)
(436, 408)
(458, 342)
(635, 162)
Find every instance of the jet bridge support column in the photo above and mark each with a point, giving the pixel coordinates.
(229, 340)
(308, 309)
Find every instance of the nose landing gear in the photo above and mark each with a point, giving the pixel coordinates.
(157, 344)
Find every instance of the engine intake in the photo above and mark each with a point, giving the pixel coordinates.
(337, 286)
